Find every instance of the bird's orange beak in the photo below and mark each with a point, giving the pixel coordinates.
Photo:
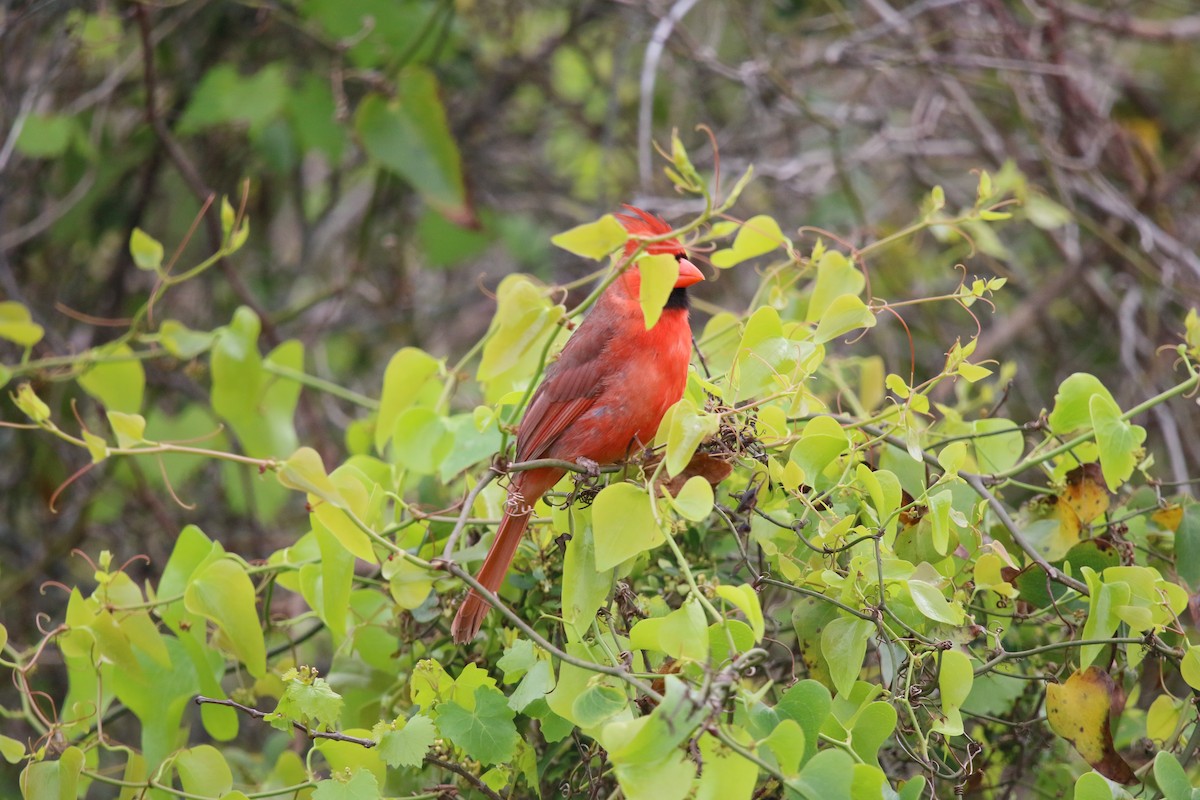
(688, 274)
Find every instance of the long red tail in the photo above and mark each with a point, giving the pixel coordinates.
(525, 490)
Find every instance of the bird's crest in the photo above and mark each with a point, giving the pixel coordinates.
(641, 223)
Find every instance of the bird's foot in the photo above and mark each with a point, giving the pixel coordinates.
(590, 468)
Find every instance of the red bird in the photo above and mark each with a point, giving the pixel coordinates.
(600, 401)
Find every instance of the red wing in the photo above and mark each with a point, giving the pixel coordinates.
(571, 387)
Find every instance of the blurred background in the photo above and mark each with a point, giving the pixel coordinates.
(402, 156)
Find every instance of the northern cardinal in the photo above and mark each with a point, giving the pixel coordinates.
(599, 402)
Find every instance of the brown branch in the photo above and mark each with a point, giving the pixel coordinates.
(311, 734)
(189, 173)
(1158, 30)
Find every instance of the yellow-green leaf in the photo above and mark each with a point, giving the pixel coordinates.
(147, 251)
(222, 592)
(659, 273)
(624, 524)
(746, 600)
(16, 324)
(593, 239)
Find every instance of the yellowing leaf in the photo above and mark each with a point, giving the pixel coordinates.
(593, 239)
(1085, 493)
(1081, 711)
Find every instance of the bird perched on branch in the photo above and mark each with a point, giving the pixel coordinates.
(600, 401)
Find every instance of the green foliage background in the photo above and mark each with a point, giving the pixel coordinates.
(278, 279)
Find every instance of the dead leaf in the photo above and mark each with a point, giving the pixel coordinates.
(1086, 493)
(1169, 517)
(1082, 711)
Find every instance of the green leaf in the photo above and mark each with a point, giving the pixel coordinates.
(183, 342)
(746, 600)
(411, 137)
(687, 427)
(147, 251)
(1119, 441)
(118, 381)
(46, 135)
(827, 775)
(524, 320)
(695, 500)
(836, 276)
(362, 785)
(30, 404)
(486, 733)
(954, 680)
(11, 749)
(996, 451)
(222, 592)
(408, 583)
(598, 703)
(1171, 777)
(667, 778)
(594, 239)
(681, 634)
(308, 699)
(821, 441)
(757, 236)
(808, 704)
(584, 587)
(129, 428)
(1044, 213)
(1190, 667)
(658, 276)
(53, 780)
(624, 524)
(225, 96)
(407, 373)
(17, 325)
(421, 440)
(430, 683)
(1187, 546)
(1072, 403)
(930, 601)
(844, 644)
(407, 746)
(727, 775)
(845, 313)
(202, 770)
(257, 405)
(1092, 786)
(304, 471)
(870, 729)
(1104, 600)
(787, 742)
